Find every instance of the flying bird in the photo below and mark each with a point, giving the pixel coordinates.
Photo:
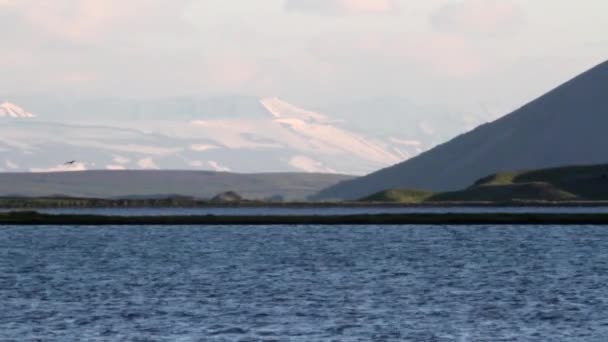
(71, 162)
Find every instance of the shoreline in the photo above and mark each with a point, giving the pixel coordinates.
(29, 218)
(90, 203)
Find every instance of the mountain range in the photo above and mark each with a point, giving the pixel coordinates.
(233, 133)
(161, 184)
(566, 126)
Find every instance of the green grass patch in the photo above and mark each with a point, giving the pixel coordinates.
(503, 178)
(399, 196)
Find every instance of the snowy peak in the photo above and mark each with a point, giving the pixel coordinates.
(11, 110)
(311, 141)
(281, 109)
(321, 135)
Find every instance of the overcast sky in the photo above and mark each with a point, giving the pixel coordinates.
(309, 51)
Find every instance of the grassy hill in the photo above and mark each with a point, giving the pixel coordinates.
(537, 191)
(574, 183)
(399, 196)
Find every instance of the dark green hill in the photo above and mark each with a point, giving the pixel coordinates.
(575, 183)
(537, 191)
(587, 182)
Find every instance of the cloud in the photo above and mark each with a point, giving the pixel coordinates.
(115, 167)
(342, 7)
(147, 163)
(120, 160)
(84, 44)
(84, 20)
(218, 167)
(11, 165)
(448, 55)
(62, 168)
(196, 163)
(229, 73)
(67, 20)
(479, 17)
(434, 54)
(203, 147)
(310, 165)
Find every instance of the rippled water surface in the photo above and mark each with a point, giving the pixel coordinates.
(306, 283)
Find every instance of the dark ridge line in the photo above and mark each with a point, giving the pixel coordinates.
(34, 218)
(186, 202)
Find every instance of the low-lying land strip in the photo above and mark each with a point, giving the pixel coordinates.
(34, 203)
(34, 218)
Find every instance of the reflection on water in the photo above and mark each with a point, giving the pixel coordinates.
(305, 283)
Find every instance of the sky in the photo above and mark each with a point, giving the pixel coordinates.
(502, 52)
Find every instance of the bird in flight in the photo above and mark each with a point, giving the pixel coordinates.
(71, 162)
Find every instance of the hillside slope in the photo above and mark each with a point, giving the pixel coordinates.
(201, 184)
(567, 126)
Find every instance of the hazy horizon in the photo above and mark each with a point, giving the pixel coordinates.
(452, 53)
(338, 86)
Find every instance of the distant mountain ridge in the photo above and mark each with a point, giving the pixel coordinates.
(243, 135)
(567, 126)
(223, 133)
(158, 184)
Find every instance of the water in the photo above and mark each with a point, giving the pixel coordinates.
(306, 283)
(236, 211)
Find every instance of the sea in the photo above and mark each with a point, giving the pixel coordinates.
(304, 283)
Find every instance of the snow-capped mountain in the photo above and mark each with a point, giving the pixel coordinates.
(238, 134)
(317, 144)
(281, 109)
(11, 110)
